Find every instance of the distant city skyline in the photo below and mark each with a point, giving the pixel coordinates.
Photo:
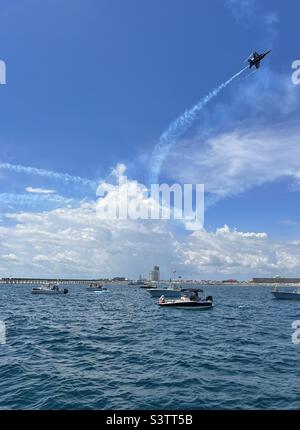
(91, 90)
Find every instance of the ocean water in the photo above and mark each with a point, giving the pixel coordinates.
(120, 350)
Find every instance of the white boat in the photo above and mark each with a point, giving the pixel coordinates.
(286, 295)
(172, 290)
(148, 286)
(188, 301)
(137, 283)
(96, 287)
(49, 289)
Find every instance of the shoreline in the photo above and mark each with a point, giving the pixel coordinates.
(162, 283)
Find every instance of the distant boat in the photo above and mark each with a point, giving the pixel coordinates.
(96, 287)
(149, 286)
(138, 283)
(188, 301)
(286, 295)
(172, 290)
(49, 289)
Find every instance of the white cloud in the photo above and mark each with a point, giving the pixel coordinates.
(235, 161)
(10, 257)
(252, 139)
(119, 170)
(74, 242)
(39, 190)
(228, 251)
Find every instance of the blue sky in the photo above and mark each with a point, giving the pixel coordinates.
(94, 83)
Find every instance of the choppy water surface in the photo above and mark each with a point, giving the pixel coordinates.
(119, 350)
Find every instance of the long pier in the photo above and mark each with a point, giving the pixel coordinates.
(60, 281)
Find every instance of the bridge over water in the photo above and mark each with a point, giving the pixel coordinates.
(60, 281)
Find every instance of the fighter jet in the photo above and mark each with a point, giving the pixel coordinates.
(256, 58)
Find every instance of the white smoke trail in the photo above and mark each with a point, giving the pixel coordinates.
(65, 177)
(246, 77)
(13, 200)
(179, 127)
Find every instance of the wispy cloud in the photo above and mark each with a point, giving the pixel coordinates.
(33, 171)
(34, 201)
(232, 162)
(252, 139)
(178, 127)
(39, 190)
(251, 12)
(245, 10)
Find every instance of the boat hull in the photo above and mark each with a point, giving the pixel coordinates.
(187, 305)
(282, 295)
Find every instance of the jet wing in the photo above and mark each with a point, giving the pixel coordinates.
(255, 55)
(257, 64)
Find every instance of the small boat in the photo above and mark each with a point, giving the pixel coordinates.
(171, 291)
(49, 289)
(174, 290)
(138, 283)
(286, 295)
(189, 300)
(149, 286)
(96, 287)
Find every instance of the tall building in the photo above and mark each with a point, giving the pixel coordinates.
(154, 274)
